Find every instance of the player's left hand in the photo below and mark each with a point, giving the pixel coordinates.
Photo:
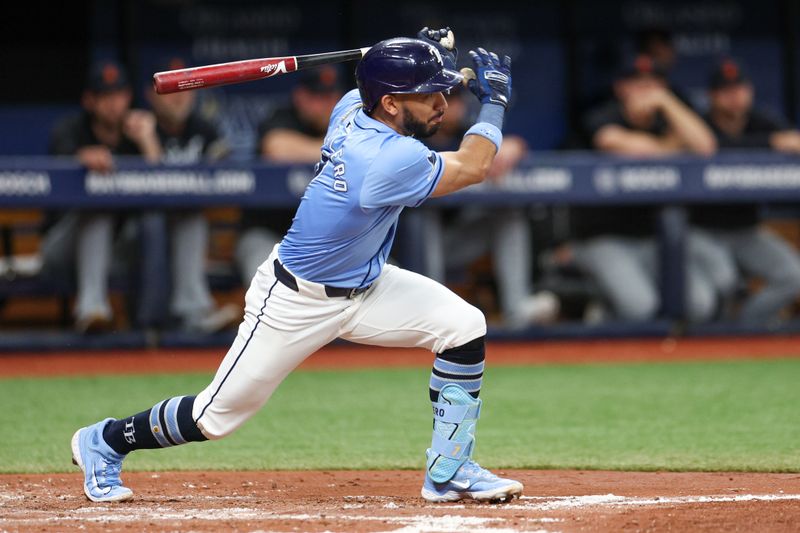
(492, 82)
(445, 41)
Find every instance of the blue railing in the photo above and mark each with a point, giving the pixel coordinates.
(544, 178)
(558, 178)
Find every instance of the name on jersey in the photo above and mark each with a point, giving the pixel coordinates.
(334, 158)
(339, 184)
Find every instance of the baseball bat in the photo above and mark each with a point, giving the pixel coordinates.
(172, 81)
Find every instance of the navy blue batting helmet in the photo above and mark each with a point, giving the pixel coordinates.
(402, 66)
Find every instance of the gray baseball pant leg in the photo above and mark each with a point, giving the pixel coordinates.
(58, 247)
(627, 272)
(252, 249)
(512, 254)
(762, 253)
(714, 257)
(433, 245)
(617, 266)
(701, 295)
(189, 244)
(93, 263)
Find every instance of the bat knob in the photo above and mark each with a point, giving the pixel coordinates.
(468, 74)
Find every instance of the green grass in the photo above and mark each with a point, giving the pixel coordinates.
(742, 415)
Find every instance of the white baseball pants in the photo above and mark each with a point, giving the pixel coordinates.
(282, 327)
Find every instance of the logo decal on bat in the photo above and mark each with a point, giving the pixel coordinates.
(274, 68)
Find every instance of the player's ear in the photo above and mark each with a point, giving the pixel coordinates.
(389, 104)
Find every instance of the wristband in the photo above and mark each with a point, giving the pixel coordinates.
(487, 131)
(493, 114)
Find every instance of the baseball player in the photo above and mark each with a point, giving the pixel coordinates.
(328, 277)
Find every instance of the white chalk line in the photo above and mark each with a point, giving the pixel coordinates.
(421, 523)
(549, 503)
(407, 524)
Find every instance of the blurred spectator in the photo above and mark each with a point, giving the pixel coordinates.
(733, 243)
(107, 127)
(657, 44)
(185, 137)
(292, 134)
(645, 119)
(474, 231)
(735, 120)
(617, 246)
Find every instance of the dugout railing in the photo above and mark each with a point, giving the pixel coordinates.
(555, 179)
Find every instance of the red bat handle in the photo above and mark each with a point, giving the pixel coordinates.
(173, 81)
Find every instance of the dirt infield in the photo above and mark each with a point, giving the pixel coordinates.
(356, 501)
(389, 501)
(353, 356)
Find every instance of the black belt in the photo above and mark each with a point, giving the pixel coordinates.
(286, 277)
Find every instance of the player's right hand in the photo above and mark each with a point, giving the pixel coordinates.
(492, 83)
(444, 41)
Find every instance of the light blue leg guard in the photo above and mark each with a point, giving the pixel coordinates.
(454, 418)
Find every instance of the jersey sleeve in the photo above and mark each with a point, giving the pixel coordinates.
(404, 173)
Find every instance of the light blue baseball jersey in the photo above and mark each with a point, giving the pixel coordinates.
(347, 218)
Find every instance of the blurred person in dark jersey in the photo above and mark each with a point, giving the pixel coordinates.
(735, 245)
(617, 246)
(106, 128)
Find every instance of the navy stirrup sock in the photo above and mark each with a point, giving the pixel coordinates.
(168, 423)
(462, 365)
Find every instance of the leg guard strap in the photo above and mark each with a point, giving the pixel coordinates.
(458, 451)
(456, 414)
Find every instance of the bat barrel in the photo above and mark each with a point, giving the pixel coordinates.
(186, 79)
(173, 81)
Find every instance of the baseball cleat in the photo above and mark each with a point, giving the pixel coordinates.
(471, 482)
(101, 465)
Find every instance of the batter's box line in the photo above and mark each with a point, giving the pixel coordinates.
(549, 503)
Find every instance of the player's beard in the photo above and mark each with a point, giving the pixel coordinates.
(416, 128)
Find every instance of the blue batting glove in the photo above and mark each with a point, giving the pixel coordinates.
(492, 83)
(444, 41)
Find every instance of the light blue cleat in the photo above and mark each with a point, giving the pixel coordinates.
(471, 482)
(101, 465)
